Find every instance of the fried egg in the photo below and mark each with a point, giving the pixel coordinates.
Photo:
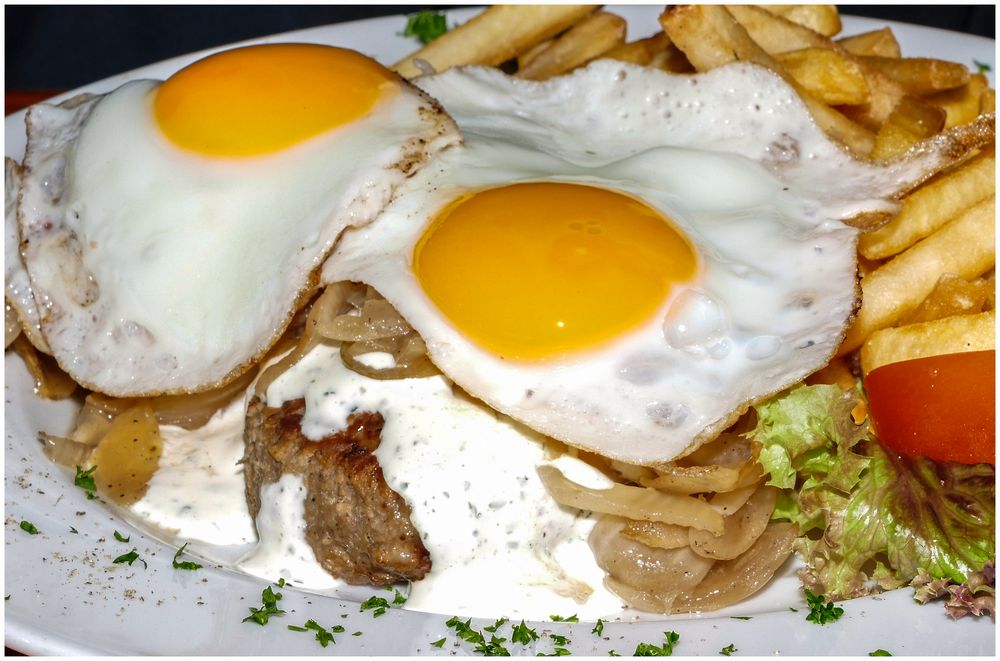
(625, 259)
(22, 314)
(171, 229)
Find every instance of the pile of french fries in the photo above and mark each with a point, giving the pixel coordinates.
(928, 285)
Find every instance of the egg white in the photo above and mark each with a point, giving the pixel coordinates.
(734, 159)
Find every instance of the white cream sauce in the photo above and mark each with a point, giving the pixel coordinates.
(498, 542)
(197, 492)
(283, 551)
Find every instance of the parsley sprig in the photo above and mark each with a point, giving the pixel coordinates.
(666, 649)
(379, 605)
(28, 527)
(85, 480)
(492, 647)
(728, 650)
(122, 538)
(129, 558)
(323, 636)
(269, 605)
(523, 634)
(598, 627)
(426, 25)
(187, 564)
(821, 611)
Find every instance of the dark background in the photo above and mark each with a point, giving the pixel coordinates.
(51, 47)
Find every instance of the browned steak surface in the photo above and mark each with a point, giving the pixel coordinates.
(358, 527)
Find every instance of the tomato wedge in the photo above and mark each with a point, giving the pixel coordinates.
(942, 407)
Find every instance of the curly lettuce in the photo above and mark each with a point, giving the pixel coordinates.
(870, 519)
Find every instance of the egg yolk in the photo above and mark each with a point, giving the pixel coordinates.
(261, 99)
(536, 270)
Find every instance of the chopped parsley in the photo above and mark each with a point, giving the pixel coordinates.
(269, 606)
(821, 611)
(728, 650)
(378, 606)
(436, 643)
(559, 651)
(399, 599)
(496, 625)
(613, 653)
(426, 25)
(558, 640)
(740, 617)
(560, 618)
(523, 634)
(357, 633)
(121, 538)
(85, 480)
(464, 630)
(667, 649)
(29, 527)
(191, 566)
(879, 652)
(492, 648)
(74, 530)
(129, 558)
(7, 598)
(794, 610)
(982, 67)
(323, 637)
(598, 628)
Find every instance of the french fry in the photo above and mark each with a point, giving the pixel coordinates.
(494, 36)
(824, 19)
(828, 75)
(525, 58)
(913, 120)
(962, 103)
(931, 206)
(640, 51)
(965, 247)
(968, 332)
(921, 75)
(778, 35)
(710, 36)
(952, 296)
(671, 59)
(586, 40)
(878, 42)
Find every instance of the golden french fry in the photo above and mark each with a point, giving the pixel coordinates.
(836, 372)
(913, 120)
(671, 59)
(824, 19)
(878, 42)
(710, 36)
(776, 34)
(494, 36)
(779, 35)
(921, 75)
(830, 76)
(640, 51)
(952, 295)
(933, 205)
(965, 247)
(962, 103)
(585, 41)
(988, 101)
(525, 58)
(958, 334)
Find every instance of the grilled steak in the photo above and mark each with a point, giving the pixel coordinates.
(357, 526)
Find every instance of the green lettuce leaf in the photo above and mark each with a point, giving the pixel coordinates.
(871, 520)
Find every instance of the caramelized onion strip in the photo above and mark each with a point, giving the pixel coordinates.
(632, 502)
(731, 581)
(694, 479)
(656, 534)
(743, 527)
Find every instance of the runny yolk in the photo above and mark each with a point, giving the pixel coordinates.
(535, 270)
(261, 99)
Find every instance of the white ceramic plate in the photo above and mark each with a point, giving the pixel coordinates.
(66, 596)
